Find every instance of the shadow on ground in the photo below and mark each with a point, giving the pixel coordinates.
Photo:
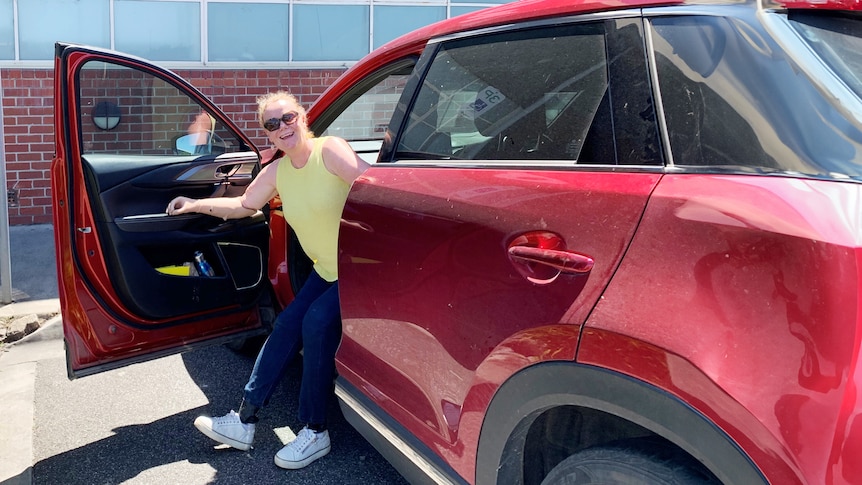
(138, 453)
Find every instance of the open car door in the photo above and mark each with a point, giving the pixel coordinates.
(129, 138)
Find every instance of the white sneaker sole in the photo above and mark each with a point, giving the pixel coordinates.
(295, 465)
(203, 428)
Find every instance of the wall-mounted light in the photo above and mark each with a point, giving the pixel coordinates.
(106, 115)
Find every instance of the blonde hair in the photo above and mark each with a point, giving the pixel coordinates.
(269, 98)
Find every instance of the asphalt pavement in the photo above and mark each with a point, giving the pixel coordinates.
(134, 424)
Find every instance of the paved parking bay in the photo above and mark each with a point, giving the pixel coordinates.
(134, 425)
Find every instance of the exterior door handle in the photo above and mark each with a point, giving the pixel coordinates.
(541, 257)
(564, 261)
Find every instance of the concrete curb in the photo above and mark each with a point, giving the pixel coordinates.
(38, 312)
(52, 329)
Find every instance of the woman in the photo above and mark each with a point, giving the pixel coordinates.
(312, 180)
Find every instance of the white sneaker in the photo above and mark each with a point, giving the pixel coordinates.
(304, 449)
(227, 429)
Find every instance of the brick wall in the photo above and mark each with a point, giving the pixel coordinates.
(29, 132)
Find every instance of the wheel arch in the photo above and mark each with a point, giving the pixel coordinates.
(536, 390)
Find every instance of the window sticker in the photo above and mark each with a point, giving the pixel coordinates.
(485, 100)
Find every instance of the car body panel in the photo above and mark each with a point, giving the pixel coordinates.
(432, 302)
(764, 357)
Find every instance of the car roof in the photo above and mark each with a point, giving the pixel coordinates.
(526, 10)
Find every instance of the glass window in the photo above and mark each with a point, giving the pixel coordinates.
(393, 21)
(248, 31)
(837, 40)
(69, 21)
(159, 31)
(129, 112)
(330, 32)
(368, 117)
(734, 105)
(7, 31)
(539, 103)
(363, 123)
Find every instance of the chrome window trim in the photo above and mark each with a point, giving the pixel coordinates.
(522, 165)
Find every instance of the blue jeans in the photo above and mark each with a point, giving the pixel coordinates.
(312, 322)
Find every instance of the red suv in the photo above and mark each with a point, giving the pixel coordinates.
(601, 242)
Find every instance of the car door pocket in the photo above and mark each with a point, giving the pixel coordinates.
(244, 264)
(184, 261)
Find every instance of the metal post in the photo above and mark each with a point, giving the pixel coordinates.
(5, 253)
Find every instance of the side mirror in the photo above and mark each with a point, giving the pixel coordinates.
(187, 145)
(199, 144)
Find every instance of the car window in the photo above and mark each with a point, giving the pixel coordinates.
(538, 102)
(364, 121)
(837, 41)
(723, 110)
(368, 116)
(129, 112)
(539, 94)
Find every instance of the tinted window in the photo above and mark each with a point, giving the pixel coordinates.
(734, 100)
(837, 40)
(541, 94)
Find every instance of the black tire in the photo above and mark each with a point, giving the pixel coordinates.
(247, 347)
(634, 463)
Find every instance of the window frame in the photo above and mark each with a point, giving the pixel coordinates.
(400, 117)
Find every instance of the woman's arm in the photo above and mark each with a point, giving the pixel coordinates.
(342, 161)
(256, 195)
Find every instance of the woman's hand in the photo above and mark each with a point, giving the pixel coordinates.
(181, 205)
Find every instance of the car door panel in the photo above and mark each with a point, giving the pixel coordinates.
(430, 290)
(128, 288)
(500, 208)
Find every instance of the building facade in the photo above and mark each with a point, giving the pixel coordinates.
(232, 50)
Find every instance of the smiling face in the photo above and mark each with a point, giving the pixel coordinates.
(286, 137)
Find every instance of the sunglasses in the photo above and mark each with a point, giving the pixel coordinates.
(288, 118)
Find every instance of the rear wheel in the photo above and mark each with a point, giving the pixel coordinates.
(637, 463)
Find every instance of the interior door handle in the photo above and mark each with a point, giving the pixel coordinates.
(563, 261)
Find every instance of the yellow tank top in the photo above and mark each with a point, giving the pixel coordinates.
(312, 200)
